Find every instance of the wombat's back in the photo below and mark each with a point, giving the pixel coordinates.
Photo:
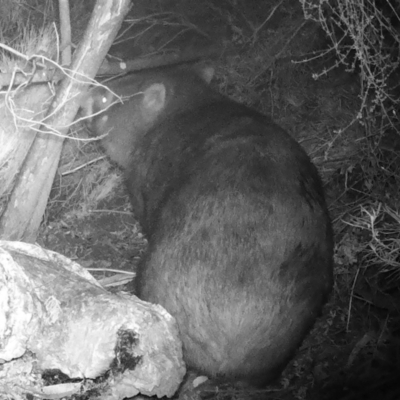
(241, 252)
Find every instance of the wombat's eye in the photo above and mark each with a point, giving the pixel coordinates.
(104, 99)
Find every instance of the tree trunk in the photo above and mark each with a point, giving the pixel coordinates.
(27, 202)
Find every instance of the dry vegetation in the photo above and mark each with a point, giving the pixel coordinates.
(331, 80)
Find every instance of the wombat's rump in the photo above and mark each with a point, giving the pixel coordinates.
(240, 242)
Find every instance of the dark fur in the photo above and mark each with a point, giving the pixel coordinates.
(240, 242)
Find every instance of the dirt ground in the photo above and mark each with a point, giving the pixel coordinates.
(353, 352)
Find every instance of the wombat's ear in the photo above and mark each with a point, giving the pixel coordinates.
(205, 72)
(154, 98)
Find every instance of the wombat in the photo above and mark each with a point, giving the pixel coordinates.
(240, 241)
